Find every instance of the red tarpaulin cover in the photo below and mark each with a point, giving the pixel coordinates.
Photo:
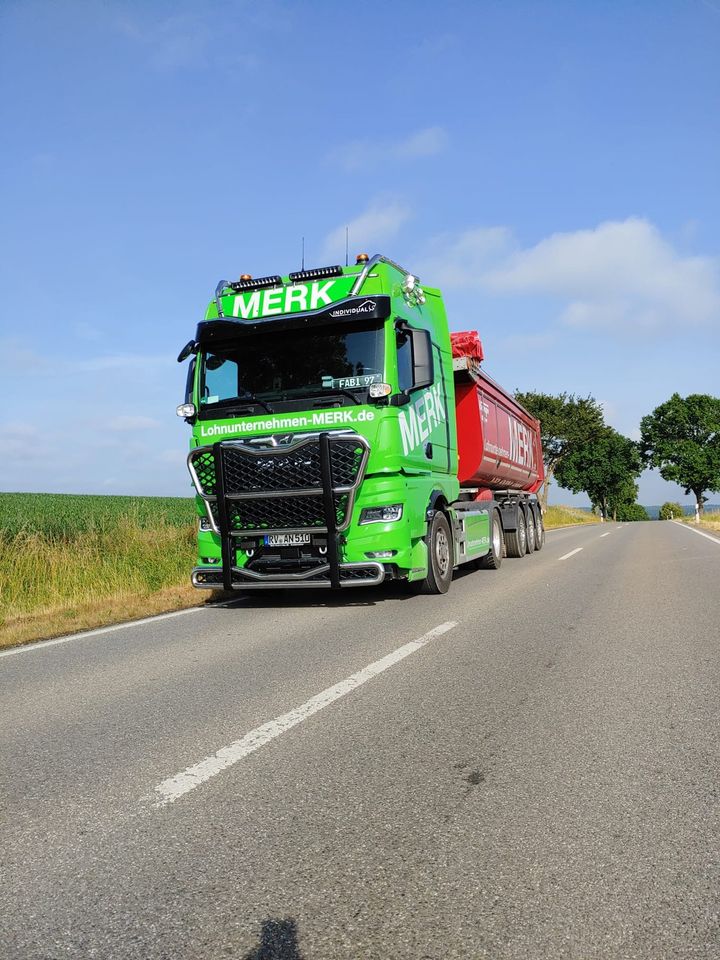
(467, 344)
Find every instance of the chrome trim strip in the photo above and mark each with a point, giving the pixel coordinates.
(373, 262)
(273, 581)
(218, 294)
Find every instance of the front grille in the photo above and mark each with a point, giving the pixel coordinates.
(279, 487)
(283, 513)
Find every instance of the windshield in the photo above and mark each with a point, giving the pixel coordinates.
(274, 366)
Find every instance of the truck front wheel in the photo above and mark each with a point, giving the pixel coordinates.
(440, 556)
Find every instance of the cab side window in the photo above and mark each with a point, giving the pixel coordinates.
(404, 361)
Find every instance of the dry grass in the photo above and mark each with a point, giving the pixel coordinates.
(567, 517)
(54, 585)
(709, 521)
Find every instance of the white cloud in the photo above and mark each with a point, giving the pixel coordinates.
(376, 225)
(424, 143)
(126, 422)
(618, 275)
(461, 260)
(621, 272)
(366, 154)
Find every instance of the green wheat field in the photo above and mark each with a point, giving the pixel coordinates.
(68, 562)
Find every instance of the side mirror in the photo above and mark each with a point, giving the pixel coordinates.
(186, 351)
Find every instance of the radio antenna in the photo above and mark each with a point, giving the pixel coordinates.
(347, 245)
(303, 254)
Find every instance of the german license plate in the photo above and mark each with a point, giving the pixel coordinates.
(286, 539)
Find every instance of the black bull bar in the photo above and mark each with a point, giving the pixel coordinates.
(311, 485)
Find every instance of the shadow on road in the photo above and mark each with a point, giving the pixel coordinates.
(357, 597)
(278, 941)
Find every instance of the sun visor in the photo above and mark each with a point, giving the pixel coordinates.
(349, 310)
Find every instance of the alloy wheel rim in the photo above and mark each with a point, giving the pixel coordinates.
(442, 553)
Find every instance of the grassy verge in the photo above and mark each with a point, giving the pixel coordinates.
(74, 563)
(709, 521)
(566, 517)
(113, 565)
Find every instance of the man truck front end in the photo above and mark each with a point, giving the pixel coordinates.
(324, 446)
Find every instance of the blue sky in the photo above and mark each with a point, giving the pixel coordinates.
(552, 166)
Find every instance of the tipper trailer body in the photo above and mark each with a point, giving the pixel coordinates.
(342, 436)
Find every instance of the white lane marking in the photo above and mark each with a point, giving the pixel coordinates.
(171, 789)
(42, 644)
(571, 554)
(700, 533)
(605, 534)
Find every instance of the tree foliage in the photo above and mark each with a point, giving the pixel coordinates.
(605, 468)
(631, 511)
(681, 438)
(669, 510)
(566, 423)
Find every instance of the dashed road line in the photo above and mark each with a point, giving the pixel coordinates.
(605, 534)
(175, 787)
(571, 554)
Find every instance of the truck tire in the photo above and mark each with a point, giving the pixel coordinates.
(539, 531)
(531, 531)
(492, 560)
(440, 556)
(516, 540)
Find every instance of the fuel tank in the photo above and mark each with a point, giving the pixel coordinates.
(499, 444)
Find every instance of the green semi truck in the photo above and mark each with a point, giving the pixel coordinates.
(342, 436)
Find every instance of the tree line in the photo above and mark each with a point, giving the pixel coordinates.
(582, 453)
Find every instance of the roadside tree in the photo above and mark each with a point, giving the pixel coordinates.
(566, 423)
(627, 512)
(681, 438)
(605, 468)
(669, 510)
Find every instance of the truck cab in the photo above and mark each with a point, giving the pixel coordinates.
(323, 449)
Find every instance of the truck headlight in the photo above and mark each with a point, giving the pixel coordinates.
(381, 514)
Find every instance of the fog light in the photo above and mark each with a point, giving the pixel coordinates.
(210, 559)
(381, 554)
(381, 514)
(205, 524)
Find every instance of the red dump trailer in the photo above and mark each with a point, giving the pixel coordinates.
(499, 452)
(499, 444)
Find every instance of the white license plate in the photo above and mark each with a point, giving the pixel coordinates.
(286, 539)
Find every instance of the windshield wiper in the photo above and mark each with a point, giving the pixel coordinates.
(336, 392)
(238, 402)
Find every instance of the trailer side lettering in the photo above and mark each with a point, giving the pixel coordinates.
(521, 445)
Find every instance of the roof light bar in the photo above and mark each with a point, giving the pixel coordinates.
(317, 274)
(257, 284)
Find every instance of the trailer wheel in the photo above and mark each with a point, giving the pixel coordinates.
(492, 560)
(516, 540)
(531, 531)
(440, 556)
(539, 531)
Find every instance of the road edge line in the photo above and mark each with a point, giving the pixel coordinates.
(700, 533)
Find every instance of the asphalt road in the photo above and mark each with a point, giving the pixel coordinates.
(538, 779)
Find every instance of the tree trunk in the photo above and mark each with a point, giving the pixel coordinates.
(545, 489)
(700, 501)
(615, 514)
